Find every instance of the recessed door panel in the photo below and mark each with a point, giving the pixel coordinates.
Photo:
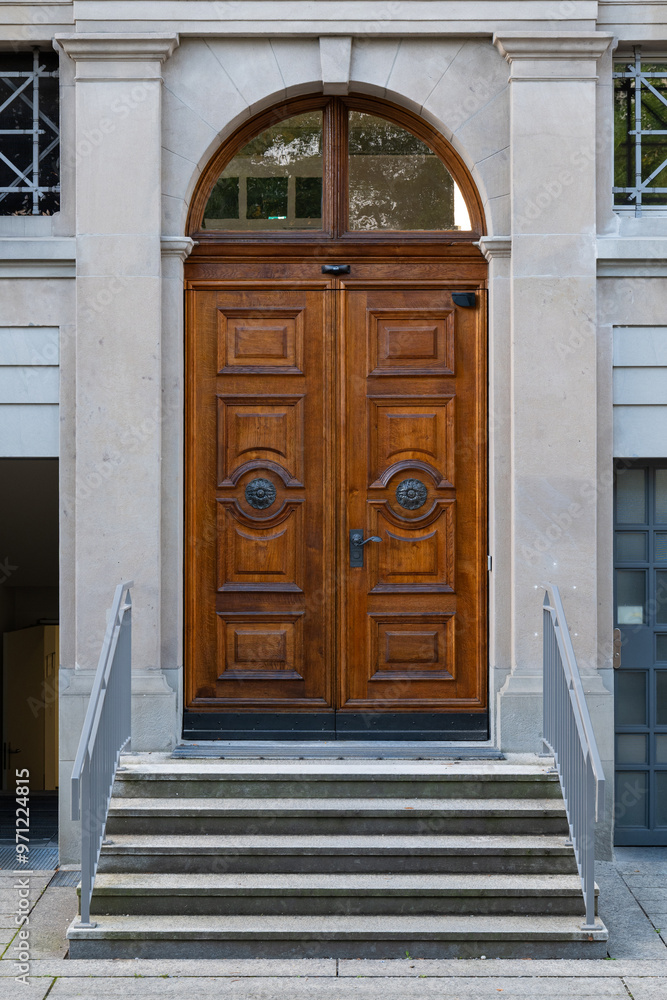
(260, 432)
(260, 341)
(402, 344)
(411, 647)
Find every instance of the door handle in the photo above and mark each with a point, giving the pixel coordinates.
(618, 645)
(357, 542)
(7, 753)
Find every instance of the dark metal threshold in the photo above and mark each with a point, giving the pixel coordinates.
(333, 750)
(385, 726)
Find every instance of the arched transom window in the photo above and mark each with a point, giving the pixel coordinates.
(333, 167)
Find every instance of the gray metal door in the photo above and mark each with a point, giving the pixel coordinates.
(640, 609)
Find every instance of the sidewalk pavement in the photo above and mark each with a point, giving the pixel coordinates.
(633, 904)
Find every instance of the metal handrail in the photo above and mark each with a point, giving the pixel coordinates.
(106, 732)
(568, 733)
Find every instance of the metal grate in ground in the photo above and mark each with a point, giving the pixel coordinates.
(66, 878)
(333, 750)
(40, 859)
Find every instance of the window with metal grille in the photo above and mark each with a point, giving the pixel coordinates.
(640, 125)
(29, 133)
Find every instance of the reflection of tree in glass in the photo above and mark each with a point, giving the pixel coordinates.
(396, 180)
(267, 198)
(654, 147)
(223, 202)
(308, 197)
(296, 139)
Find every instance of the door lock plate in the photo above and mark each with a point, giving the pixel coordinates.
(357, 542)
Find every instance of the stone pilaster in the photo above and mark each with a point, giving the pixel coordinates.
(118, 370)
(552, 386)
(175, 250)
(498, 250)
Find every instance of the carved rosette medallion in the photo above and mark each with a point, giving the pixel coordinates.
(411, 494)
(260, 493)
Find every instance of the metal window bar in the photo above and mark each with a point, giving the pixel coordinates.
(27, 180)
(642, 82)
(106, 732)
(568, 733)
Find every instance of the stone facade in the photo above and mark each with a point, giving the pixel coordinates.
(149, 91)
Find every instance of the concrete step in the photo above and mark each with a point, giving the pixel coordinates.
(336, 816)
(456, 936)
(509, 853)
(331, 894)
(229, 779)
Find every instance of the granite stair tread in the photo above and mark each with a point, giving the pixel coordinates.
(239, 770)
(337, 843)
(337, 927)
(233, 858)
(334, 883)
(337, 806)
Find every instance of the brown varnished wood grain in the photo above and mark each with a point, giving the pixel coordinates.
(414, 617)
(258, 628)
(335, 390)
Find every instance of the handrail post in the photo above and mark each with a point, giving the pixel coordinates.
(86, 851)
(106, 732)
(589, 848)
(568, 732)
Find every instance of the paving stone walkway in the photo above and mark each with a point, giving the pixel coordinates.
(329, 979)
(634, 907)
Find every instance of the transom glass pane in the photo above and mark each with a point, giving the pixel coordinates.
(397, 182)
(631, 496)
(274, 182)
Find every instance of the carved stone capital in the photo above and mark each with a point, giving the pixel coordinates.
(115, 58)
(176, 246)
(495, 246)
(549, 55)
(94, 47)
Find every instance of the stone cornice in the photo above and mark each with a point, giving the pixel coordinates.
(141, 47)
(495, 246)
(42, 257)
(577, 45)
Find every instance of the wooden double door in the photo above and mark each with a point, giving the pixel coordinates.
(323, 410)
